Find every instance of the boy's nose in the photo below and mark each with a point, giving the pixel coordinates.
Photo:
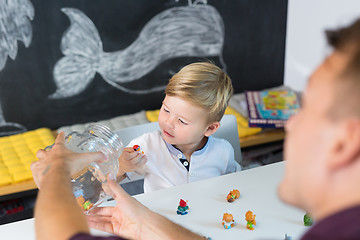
(170, 122)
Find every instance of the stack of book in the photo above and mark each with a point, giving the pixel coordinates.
(271, 109)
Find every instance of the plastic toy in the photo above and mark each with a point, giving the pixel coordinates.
(250, 218)
(183, 208)
(308, 221)
(137, 148)
(287, 237)
(228, 220)
(234, 194)
(85, 205)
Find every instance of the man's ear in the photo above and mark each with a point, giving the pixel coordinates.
(347, 148)
(211, 129)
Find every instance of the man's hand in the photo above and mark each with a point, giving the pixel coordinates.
(130, 219)
(125, 219)
(61, 157)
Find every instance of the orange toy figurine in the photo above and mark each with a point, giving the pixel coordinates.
(234, 194)
(228, 220)
(250, 218)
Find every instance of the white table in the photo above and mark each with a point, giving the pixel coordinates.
(207, 202)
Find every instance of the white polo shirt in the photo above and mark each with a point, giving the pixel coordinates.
(167, 166)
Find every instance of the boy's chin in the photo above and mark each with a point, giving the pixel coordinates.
(167, 139)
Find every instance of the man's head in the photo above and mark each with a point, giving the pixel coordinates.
(203, 85)
(322, 146)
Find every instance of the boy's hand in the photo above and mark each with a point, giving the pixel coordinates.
(130, 161)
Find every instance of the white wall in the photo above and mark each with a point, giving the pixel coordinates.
(305, 39)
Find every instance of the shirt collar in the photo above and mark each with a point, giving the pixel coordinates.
(175, 151)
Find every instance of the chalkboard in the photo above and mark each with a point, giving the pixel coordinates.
(76, 61)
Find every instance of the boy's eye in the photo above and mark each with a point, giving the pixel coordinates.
(182, 122)
(166, 110)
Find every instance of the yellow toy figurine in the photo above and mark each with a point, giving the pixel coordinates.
(250, 218)
(228, 220)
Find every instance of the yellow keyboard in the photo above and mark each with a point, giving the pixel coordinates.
(17, 152)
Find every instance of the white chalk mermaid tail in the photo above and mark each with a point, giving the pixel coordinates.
(191, 31)
(15, 17)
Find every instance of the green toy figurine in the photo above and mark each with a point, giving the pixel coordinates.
(308, 221)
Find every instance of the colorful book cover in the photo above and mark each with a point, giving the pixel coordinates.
(271, 109)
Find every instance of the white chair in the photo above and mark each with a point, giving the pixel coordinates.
(227, 130)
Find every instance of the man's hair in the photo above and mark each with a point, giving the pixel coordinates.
(347, 40)
(204, 85)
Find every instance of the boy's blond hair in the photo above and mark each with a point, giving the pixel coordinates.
(204, 85)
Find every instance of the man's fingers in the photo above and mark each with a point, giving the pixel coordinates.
(91, 157)
(60, 139)
(103, 225)
(118, 192)
(103, 211)
(40, 153)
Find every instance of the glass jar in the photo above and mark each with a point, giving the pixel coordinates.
(87, 183)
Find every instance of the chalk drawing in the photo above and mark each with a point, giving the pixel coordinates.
(196, 30)
(15, 16)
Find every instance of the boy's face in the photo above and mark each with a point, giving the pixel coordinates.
(181, 123)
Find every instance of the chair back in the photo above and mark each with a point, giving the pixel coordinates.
(228, 130)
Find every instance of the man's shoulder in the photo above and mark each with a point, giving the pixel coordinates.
(341, 225)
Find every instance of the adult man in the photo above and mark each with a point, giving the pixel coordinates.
(322, 173)
(322, 146)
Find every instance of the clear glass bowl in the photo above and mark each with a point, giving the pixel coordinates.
(87, 183)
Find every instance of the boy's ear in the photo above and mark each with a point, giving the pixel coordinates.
(211, 129)
(346, 149)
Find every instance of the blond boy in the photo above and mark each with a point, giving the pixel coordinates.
(183, 150)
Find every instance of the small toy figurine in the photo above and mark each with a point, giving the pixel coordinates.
(228, 220)
(84, 205)
(138, 149)
(80, 200)
(234, 194)
(287, 237)
(183, 208)
(87, 205)
(250, 218)
(308, 221)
